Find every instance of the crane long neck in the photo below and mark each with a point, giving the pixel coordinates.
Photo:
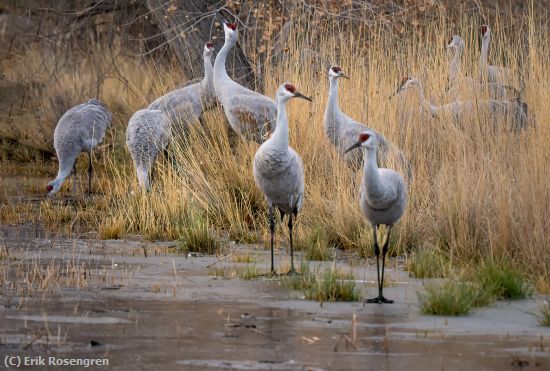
(483, 58)
(454, 67)
(423, 102)
(371, 178)
(220, 73)
(208, 71)
(332, 104)
(64, 171)
(280, 136)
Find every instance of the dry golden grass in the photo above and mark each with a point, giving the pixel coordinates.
(476, 193)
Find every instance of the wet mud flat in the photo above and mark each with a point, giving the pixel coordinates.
(142, 306)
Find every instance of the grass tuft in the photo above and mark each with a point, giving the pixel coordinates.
(315, 244)
(198, 236)
(449, 299)
(330, 285)
(428, 263)
(489, 281)
(501, 281)
(544, 318)
(111, 231)
(243, 258)
(249, 272)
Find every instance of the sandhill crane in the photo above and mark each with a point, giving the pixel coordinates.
(185, 105)
(512, 111)
(342, 130)
(278, 170)
(488, 73)
(80, 129)
(461, 87)
(383, 198)
(250, 114)
(147, 134)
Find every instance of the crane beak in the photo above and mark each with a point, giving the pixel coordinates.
(344, 76)
(221, 17)
(395, 93)
(356, 145)
(300, 95)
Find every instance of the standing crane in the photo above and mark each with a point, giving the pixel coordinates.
(513, 111)
(342, 130)
(249, 113)
(383, 198)
(186, 105)
(461, 87)
(147, 134)
(489, 73)
(279, 172)
(80, 129)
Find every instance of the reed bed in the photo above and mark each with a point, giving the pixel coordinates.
(477, 193)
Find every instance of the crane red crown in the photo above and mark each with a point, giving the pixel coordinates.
(209, 45)
(363, 137)
(291, 88)
(49, 188)
(483, 29)
(404, 80)
(232, 26)
(336, 69)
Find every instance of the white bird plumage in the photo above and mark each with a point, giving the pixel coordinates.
(383, 199)
(80, 129)
(342, 130)
(185, 106)
(279, 171)
(249, 113)
(148, 133)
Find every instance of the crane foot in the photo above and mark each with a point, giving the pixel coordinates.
(378, 300)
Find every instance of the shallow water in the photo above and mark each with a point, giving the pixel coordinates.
(165, 312)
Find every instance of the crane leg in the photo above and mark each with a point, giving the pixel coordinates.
(272, 230)
(384, 252)
(380, 298)
(90, 169)
(292, 270)
(74, 178)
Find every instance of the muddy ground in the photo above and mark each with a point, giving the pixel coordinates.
(144, 306)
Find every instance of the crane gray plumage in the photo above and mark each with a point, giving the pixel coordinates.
(511, 111)
(249, 113)
(185, 106)
(343, 131)
(490, 73)
(279, 171)
(383, 199)
(148, 133)
(80, 129)
(462, 87)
